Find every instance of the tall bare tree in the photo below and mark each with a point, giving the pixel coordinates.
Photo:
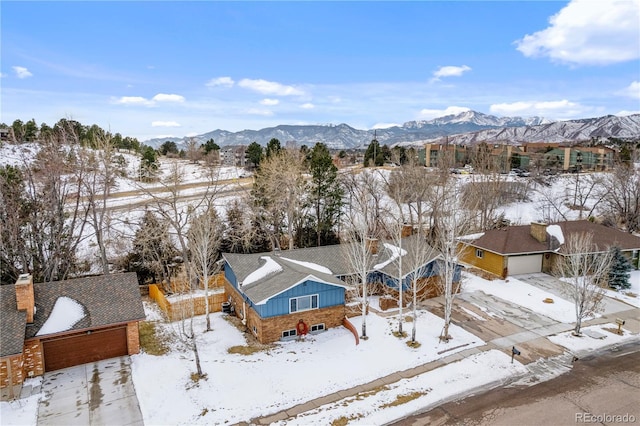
(583, 269)
(97, 183)
(204, 235)
(621, 196)
(280, 191)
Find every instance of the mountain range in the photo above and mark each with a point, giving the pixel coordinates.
(468, 127)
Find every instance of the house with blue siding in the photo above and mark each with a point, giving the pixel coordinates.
(282, 294)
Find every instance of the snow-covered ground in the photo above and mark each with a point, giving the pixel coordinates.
(523, 294)
(593, 337)
(241, 387)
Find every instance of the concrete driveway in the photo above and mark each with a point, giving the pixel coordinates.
(99, 393)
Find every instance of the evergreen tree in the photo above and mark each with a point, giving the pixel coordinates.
(273, 147)
(325, 194)
(148, 164)
(209, 146)
(254, 153)
(373, 155)
(619, 272)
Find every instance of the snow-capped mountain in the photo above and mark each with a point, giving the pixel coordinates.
(559, 131)
(468, 127)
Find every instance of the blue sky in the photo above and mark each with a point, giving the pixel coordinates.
(157, 69)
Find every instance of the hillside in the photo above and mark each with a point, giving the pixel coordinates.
(468, 127)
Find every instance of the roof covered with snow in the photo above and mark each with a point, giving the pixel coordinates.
(265, 275)
(105, 300)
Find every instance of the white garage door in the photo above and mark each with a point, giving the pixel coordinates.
(524, 264)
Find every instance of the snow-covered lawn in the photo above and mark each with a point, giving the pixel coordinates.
(395, 401)
(241, 387)
(523, 294)
(21, 411)
(630, 295)
(594, 337)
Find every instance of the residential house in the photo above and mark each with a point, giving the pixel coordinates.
(280, 294)
(49, 326)
(514, 250)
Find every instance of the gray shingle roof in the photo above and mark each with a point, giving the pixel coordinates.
(332, 257)
(12, 323)
(107, 299)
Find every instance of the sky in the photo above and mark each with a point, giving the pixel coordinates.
(158, 69)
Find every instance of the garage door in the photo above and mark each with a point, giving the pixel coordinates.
(524, 264)
(83, 348)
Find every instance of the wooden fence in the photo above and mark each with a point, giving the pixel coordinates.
(180, 306)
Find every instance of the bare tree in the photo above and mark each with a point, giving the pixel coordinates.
(621, 197)
(280, 191)
(361, 232)
(54, 214)
(97, 183)
(583, 274)
(183, 328)
(204, 237)
(451, 222)
(194, 152)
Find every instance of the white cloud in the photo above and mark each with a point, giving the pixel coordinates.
(133, 100)
(544, 108)
(221, 81)
(450, 71)
(259, 111)
(427, 114)
(163, 97)
(384, 125)
(22, 72)
(632, 90)
(165, 124)
(588, 32)
(269, 87)
(308, 105)
(624, 113)
(269, 102)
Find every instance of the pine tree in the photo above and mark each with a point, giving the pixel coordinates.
(619, 272)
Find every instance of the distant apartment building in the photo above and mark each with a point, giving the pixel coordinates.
(233, 155)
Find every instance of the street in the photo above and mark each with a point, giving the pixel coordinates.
(603, 388)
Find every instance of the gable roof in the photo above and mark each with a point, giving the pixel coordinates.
(265, 275)
(285, 275)
(12, 324)
(518, 239)
(106, 299)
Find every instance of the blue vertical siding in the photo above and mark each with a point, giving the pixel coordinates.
(230, 276)
(328, 295)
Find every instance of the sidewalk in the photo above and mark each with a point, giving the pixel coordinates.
(542, 358)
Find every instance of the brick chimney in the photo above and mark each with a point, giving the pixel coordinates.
(539, 231)
(24, 295)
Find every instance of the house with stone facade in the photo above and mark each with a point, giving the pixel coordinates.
(282, 294)
(49, 326)
(523, 249)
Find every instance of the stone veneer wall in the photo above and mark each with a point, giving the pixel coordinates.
(11, 377)
(33, 359)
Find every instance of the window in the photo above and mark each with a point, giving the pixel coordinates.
(289, 333)
(479, 253)
(317, 327)
(303, 303)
